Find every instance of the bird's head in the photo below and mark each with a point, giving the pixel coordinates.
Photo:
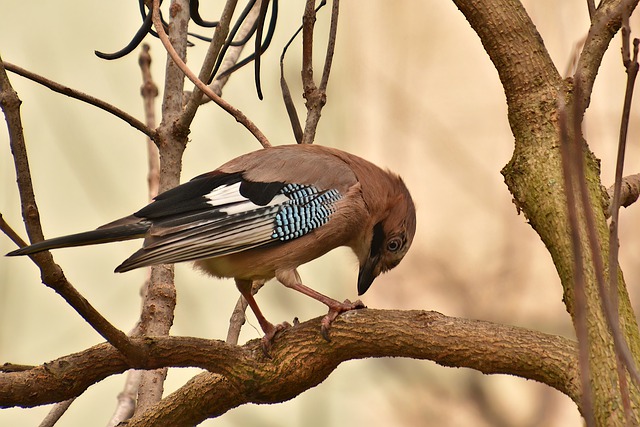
(390, 238)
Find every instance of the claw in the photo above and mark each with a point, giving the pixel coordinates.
(334, 312)
(270, 334)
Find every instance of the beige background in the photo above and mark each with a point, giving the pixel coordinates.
(413, 90)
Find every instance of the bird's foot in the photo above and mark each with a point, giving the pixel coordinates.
(270, 332)
(334, 311)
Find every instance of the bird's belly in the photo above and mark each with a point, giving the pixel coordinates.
(262, 263)
(237, 266)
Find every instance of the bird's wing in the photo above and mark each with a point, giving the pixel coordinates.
(310, 164)
(223, 213)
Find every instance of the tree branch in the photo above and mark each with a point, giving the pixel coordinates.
(73, 93)
(219, 37)
(237, 114)
(629, 192)
(301, 359)
(534, 174)
(604, 25)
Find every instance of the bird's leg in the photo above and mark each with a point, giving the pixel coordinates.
(270, 330)
(291, 279)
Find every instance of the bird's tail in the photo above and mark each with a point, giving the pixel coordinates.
(127, 228)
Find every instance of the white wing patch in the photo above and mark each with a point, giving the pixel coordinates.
(228, 223)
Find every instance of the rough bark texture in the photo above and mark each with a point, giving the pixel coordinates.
(300, 359)
(533, 88)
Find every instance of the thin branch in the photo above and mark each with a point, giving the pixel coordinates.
(237, 114)
(217, 42)
(126, 405)
(56, 412)
(73, 93)
(308, 22)
(233, 52)
(149, 92)
(629, 192)
(580, 306)
(238, 315)
(625, 357)
(314, 98)
(284, 87)
(611, 313)
(331, 46)
(605, 23)
(576, 157)
(10, 232)
(591, 6)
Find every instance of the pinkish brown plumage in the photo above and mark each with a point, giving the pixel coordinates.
(263, 214)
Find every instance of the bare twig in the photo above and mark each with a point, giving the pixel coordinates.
(233, 53)
(605, 23)
(284, 87)
(591, 6)
(218, 40)
(238, 316)
(10, 232)
(316, 97)
(629, 192)
(73, 93)
(237, 114)
(288, 102)
(149, 92)
(580, 300)
(56, 412)
(631, 65)
(51, 273)
(610, 312)
(331, 46)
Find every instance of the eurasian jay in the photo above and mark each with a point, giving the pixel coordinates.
(263, 214)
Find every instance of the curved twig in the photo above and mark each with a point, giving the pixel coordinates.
(236, 113)
(605, 23)
(73, 93)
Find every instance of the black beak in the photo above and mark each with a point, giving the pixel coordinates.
(367, 274)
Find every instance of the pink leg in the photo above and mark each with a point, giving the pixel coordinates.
(270, 330)
(291, 279)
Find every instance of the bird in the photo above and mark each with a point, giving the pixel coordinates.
(263, 214)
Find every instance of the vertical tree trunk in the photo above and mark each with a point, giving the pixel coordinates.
(533, 88)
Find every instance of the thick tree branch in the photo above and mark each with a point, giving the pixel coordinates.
(533, 88)
(301, 359)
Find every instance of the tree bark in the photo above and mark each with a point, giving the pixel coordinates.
(299, 359)
(533, 88)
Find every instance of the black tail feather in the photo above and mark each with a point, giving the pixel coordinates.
(110, 233)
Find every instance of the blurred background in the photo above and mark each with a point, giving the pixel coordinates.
(411, 89)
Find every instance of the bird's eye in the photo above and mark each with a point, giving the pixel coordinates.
(394, 244)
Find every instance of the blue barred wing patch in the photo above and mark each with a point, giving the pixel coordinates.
(306, 210)
(233, 217)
